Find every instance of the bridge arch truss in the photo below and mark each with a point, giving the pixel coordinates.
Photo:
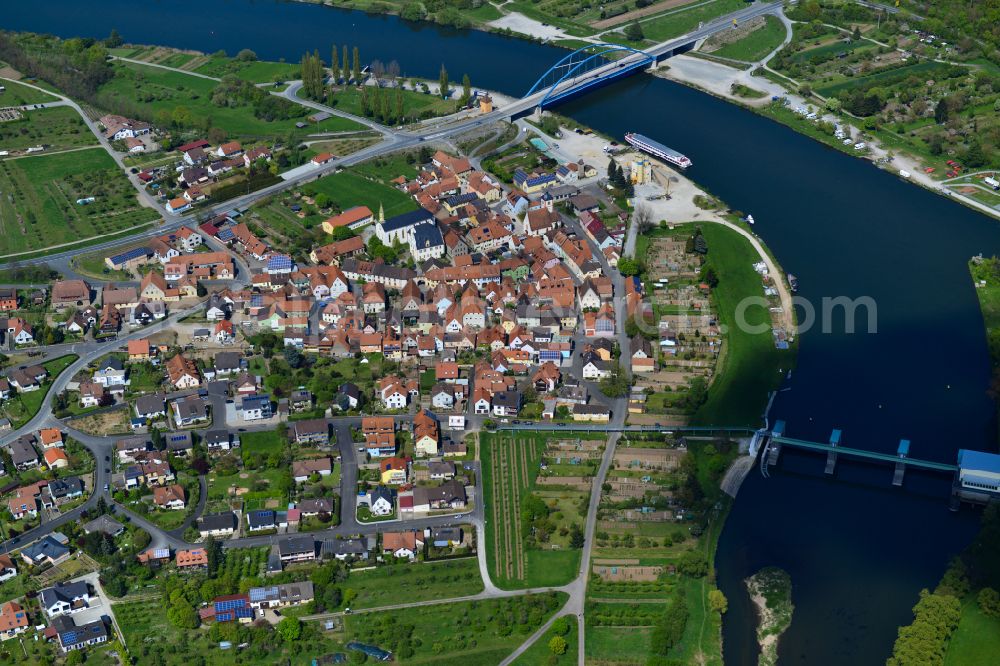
(581, 61)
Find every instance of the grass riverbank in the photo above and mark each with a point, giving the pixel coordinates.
(751, 366)
(986, 278)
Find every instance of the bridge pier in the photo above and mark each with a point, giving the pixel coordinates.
(902, 451)
(774, 446)
(831, 456)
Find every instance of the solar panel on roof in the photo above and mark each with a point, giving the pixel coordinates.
(226, 234)
(161, 553)
(130, 254)
(261, 593)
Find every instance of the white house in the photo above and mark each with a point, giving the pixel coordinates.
(65, 598)
(380, 501)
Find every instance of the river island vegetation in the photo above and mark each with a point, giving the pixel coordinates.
(771, 592)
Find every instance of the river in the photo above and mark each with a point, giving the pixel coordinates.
(858, 550)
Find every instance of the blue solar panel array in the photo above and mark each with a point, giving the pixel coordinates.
(128, 255)
(230, 604)
(261, 593)
(279, 262)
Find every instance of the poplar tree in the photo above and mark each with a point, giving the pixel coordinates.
(317, 76)
(399, 105)
(466, 89)
(357, 65)
(345, 62)
(443, 81)
(334, 65)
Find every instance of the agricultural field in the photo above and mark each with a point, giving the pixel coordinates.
(920, 97)
(673, 24)
(256, 71)
(529, 525)
(154, 91)
(408, 583)
(755, 44)
(57, 128)
(336, 192)
(711, 377)
(147, 631)
(542, 653)
(38, 205)
(342, 146)
(657, 526)
(384, 169)
(471, 632)
(348, 189)
(18, 94)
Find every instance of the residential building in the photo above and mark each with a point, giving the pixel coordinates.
(303, 469)
(65, 598)
(195, 558)
(219, 525)
(297, 549)
(13, 620)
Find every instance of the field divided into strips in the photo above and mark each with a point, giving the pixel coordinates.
(511, 464)
(509, 459)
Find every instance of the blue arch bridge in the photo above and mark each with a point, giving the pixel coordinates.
(589, 67)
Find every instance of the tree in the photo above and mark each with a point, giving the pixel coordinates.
(443, 82)
(629, 266)
(114, 40)
(576, 537)
(290, 629)
(633, 32)
(941, 111)
(558, 645)
(717, 601)
(141, 539)
(466, 89)
(357, 65)
(378, 71)
(643, 217)
(399, 105)
(614, 175)
(334, 64)
(412, 11)
(216, 135)
(562, 626)
(694, 564)
(182, 615)
(344, 63)
(616, 384)
(974, 155)
(246, 55)
(925, 640)
(989, 602)
(856, 35)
